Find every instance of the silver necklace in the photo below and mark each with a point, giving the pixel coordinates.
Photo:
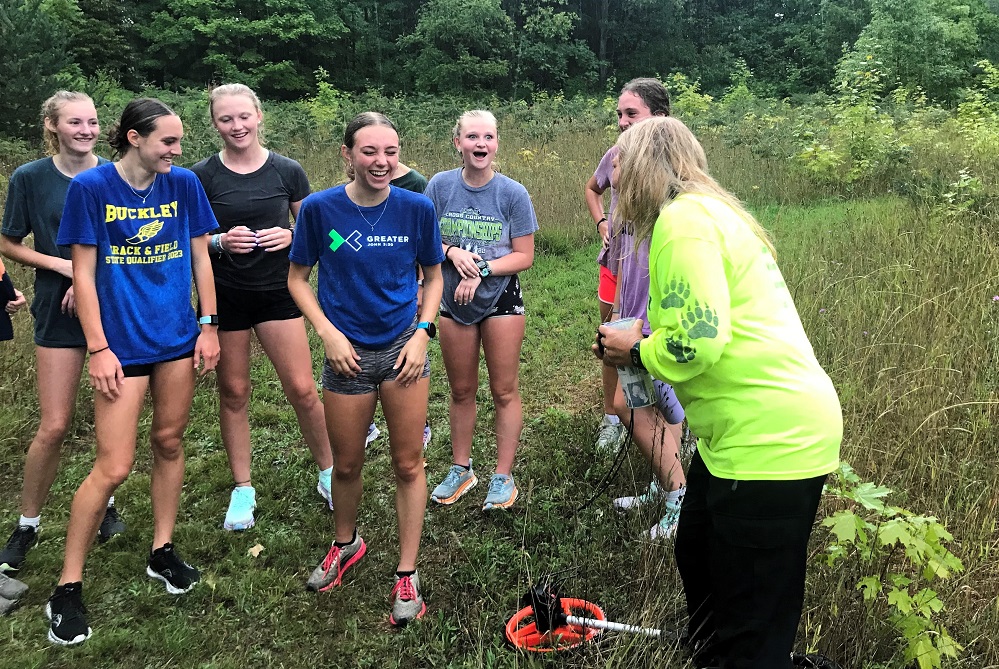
(384, 209)
(136, 193)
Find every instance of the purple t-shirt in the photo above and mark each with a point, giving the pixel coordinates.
(602, 176)
(632, 278)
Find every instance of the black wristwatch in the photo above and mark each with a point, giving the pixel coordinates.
(484, 268)
(429, 327)
(636, 355)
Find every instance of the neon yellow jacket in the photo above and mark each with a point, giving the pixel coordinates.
(726, 335)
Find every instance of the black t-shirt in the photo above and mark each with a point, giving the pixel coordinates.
(258, 200)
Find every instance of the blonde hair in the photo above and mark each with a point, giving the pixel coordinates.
(50, 112)
(474, 114)
(660, 159)
(234, 89)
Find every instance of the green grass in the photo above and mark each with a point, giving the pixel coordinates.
(898, 305)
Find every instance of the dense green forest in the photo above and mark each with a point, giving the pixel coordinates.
(512, 48)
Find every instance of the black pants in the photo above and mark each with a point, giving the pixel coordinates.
(741, 548)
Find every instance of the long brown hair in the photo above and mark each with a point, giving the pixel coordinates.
(660, 159)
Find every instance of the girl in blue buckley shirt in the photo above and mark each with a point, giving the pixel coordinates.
(138, 229)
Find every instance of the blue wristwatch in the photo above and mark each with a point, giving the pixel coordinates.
(429, 327)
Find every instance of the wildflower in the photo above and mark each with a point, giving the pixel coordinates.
(822, 311)
(995, 298)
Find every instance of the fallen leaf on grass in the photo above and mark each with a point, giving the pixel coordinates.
(255, 551)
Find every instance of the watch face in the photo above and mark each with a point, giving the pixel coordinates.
(636, 356)
(429, 327)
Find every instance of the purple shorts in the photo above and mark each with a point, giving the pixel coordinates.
(667, 404)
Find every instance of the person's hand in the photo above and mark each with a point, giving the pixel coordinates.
(617, 343)
(603, 229)
(17, 303)
(239, 239)
(68, 305)
(207, 350)
(341, 354)
(465, 292)
(412, 359)
(106, 375)
(464, 261)
(274, 239)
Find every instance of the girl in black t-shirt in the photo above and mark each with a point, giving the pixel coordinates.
(255, 193)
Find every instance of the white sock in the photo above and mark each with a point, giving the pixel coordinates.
(30, 522)
(676, 495)
(611, 419)
(111, 502)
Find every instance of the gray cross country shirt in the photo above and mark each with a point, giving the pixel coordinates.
(482, 220)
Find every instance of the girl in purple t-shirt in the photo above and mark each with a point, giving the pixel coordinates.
(640, 99)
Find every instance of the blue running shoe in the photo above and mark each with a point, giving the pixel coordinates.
(457, 482)
(242, 502)
(502, 493)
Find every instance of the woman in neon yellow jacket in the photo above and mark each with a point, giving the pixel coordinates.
(726, 335)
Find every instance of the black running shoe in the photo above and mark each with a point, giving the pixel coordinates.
(68, 615)
(111, 526)
(165, 565)
(23, 538)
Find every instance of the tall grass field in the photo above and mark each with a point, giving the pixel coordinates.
(898, 289)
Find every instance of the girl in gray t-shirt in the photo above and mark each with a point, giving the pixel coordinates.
(487, 228)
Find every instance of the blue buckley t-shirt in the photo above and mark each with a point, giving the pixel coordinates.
(143, 257)
(367, 286)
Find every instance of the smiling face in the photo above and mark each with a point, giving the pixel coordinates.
(156, 151)
(477, 141)
(236, 118)
(374, 156)
(630, 110)
(76, 127)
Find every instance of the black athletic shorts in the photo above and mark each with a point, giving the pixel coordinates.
(241, 309)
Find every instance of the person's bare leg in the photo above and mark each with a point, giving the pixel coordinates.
(172, 390)
(658, 442)
(502, 339)
(116, 424)
(233, 373)
(286, 344)
(406, 413)
(58, 376)
(608, 374)
(347, 420)
(460, 351)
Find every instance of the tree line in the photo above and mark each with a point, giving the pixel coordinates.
(513, 48)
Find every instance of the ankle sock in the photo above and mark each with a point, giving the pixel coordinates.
(611, 419)
(111, 501)
(339, 544)
(30, 522)
(676, 495)
(404, 574)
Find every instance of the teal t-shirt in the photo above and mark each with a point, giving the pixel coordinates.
(726, 335)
